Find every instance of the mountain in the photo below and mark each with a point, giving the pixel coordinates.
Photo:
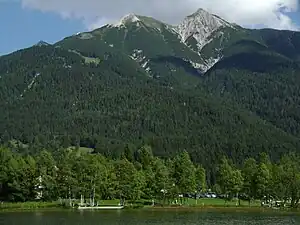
(205, 85)
(201, 28)
(262, 76)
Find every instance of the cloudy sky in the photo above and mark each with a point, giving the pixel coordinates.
(25, 22)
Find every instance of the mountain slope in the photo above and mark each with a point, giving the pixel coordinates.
(262, 74)
(152, 44)
(105, 106)
(206, 85)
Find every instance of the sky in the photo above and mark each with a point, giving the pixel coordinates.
(26, 22)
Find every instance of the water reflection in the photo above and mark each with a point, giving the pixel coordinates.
(146, 217)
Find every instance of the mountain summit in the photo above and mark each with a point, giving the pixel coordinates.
(138, 21)
(200, 25)
(129, 18)
(42, 43)
(186, 39)
(196, 32)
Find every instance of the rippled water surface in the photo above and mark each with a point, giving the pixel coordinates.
(147, 217)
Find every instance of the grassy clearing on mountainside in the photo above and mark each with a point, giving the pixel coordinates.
(91, 60)
(82, 149)
(87, 60)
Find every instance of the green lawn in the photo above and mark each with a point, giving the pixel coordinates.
(206, 202)
(28, 205)
(220, 202)
(109, 202)
(192, 202)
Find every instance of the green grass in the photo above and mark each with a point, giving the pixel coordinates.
(109, 202)
(221, 202)
(211, 202)
(82, 149)
(91, 60)
(187, 203)
(28, 205)
(87, 59)
(191, 202)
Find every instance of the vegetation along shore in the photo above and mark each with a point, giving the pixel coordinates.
(139, 179)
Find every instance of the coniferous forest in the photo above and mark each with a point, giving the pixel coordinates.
(63, 101)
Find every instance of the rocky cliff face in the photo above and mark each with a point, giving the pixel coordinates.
(200, 25)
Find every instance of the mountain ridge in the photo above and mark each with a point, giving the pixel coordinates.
(136, 84)
(135, 23)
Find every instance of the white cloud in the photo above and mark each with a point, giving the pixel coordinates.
(270, 13)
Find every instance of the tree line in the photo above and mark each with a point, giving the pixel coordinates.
(136, 175)
(71, 173)
(261, 179)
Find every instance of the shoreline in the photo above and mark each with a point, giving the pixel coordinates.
(28, 206)
(46, 207)
(219, 208)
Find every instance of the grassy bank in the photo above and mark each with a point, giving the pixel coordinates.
(222, 203)
(16, 206)
(190, 204)
(211, 202)
(133, 204)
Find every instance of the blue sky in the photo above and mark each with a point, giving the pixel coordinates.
(28, 27)
(23, 26)
(295, 17)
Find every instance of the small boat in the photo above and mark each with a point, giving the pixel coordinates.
(92, 205)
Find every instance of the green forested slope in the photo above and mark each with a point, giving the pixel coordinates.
(109, 104)
(141, 85)
(262, 76)
(153, 45)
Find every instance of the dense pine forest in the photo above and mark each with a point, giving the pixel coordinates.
(136, 175)
(89, 105)
(140, 85)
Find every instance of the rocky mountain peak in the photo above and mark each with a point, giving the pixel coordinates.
(139, 20)
(129, 18)
(41, 43)
(200, 25)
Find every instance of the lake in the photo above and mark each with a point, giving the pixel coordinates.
(147, 217)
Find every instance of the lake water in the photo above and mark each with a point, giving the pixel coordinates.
(145, 217)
